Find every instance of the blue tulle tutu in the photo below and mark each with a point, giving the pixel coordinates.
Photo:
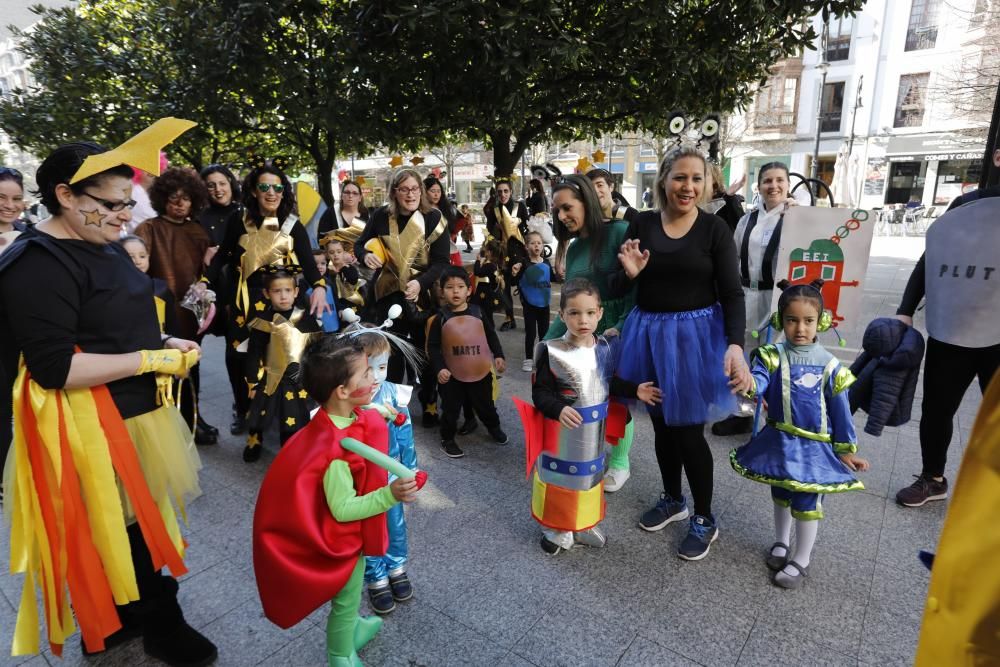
(683, 354)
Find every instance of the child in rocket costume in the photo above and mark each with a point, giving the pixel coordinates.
(570, 420)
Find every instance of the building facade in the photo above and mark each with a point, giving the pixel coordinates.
(882, 89)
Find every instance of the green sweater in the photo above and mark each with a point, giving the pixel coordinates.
(578, 266)
(338, 487)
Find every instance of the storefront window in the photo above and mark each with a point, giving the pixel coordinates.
(906, 182)
(955, 177)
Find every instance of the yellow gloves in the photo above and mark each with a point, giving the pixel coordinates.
(169, 362)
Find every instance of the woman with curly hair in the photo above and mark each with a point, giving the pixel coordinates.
(177, 244)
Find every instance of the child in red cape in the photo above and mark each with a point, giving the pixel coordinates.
(321, 508)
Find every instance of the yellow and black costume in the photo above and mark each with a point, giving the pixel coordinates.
(415, 247)
(95, 473)
(276, 343)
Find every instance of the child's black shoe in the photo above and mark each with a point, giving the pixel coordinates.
(380, 600)
(468, 426)
(402, 589)
(451, 449)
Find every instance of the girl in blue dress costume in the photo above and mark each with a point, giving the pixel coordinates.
(808, 446)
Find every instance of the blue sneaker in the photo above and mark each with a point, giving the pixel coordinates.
(667, 510)
(701, 534)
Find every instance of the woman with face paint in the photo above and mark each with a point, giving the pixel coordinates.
(507, 221)
(413, 246)
(757, 237)
(86, 405)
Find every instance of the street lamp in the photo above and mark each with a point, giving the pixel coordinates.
(823, 67)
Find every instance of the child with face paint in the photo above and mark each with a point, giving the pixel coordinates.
(162, 296)
(386, 576)
(310, 549)
(277, 337)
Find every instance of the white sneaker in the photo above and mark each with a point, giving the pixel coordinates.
(615, 479)
(528, 366)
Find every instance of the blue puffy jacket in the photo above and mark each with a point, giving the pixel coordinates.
(887, 371)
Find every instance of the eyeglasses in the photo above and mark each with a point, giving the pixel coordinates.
(113, 206)
(178, 198)
(277, 187)
(408, 191)
(351, 193)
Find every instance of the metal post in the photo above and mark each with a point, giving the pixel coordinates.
(822, 66)
(854, 116)
(352, 167)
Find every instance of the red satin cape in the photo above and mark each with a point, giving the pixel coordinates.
(302, 556)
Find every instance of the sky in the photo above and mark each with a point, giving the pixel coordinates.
(16, 13)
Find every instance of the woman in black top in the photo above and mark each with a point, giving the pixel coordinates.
(223, 200)
(349, 211)
(414, 246)
(89, 338)
(537, 202)
(686, 334)
(507, 221)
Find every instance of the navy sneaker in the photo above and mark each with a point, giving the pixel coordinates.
(667, 510)
(380, 600)
(402, 589)
(701, 534)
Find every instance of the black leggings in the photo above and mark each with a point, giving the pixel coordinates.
(535, 319)
(236, 365)
(685, 447)
(948, 372)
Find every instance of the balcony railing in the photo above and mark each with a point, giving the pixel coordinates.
(830, 121)
(918, 39)
(775, 119)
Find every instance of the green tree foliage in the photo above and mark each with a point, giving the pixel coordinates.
(514, 72)
(307, 79)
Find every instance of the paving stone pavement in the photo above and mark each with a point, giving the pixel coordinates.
(485, 594)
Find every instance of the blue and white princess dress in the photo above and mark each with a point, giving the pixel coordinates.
(808, 425)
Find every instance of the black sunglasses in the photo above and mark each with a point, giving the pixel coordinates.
(113, 206)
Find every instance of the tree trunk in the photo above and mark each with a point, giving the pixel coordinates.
(324, 177)
(504, 159)
(990, 174)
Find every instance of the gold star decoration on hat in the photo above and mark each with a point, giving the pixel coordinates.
(415, 160)
(259, 306)
(598, 156)
(583, 165)
(360, 180)
(240, 320)
(289, 395)
(290, 421)
(92, 218)
(396, 161)
(303, 393)
(253, 440)
(142, 151)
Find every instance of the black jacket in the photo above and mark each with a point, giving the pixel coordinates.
(887, 371)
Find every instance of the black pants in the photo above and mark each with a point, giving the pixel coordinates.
(685, 447)
(6, 417)
(236, 363)
(477, 395)
(948, 372)
(536, 319)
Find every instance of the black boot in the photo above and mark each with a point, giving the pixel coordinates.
(204, 433)
(734, 425)
(166, 635)
(131, 629)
